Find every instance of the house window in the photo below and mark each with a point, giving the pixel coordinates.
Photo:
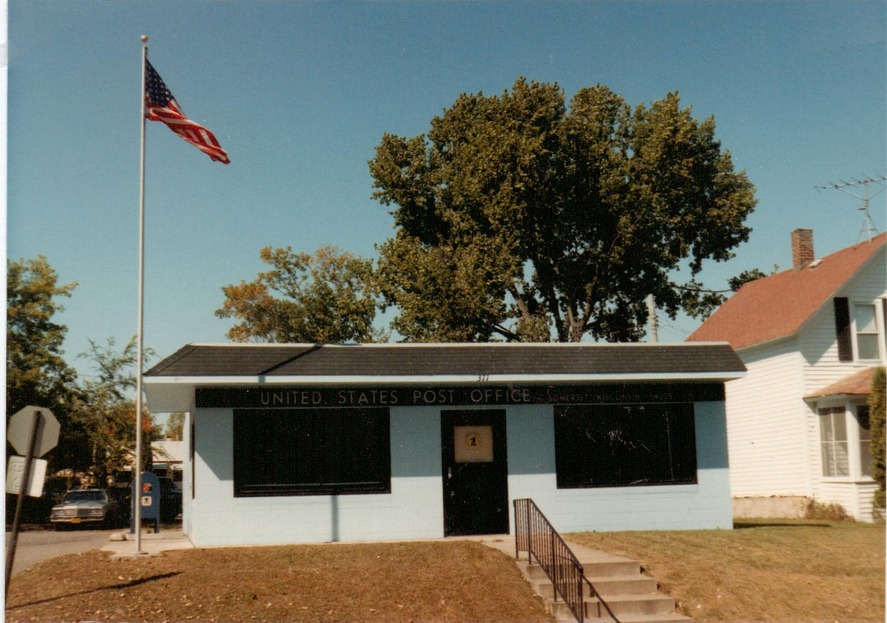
(311, 451)
(865, 440)
(833, 442)
(865, 320)
(860, 330)
(624, 445)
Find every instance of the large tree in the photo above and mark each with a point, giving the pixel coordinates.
(36, 371)
(322, 298)
(175, 426)
(520, 219)
(106, 411)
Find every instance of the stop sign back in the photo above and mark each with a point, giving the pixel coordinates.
(18, 431)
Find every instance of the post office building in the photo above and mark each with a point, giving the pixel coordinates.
(296, 443)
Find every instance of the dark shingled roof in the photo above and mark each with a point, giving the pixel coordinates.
(405, 360)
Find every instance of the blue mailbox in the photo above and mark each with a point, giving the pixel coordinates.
(148, 498)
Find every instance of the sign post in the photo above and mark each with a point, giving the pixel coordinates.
(34, 431)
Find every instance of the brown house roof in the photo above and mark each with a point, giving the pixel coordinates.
(857, 384)
(777, 306)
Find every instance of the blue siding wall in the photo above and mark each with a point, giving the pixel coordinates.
(414, 508)
(704, 505)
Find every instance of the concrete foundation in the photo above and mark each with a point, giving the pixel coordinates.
(774, 507)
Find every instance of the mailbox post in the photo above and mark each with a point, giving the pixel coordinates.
(148, 499)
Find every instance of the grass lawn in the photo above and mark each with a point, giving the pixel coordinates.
(445, 582)
(776, 571)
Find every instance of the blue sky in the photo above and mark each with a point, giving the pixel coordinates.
(300, 93)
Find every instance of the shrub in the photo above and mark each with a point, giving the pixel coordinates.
(877, 407)
(814, 509)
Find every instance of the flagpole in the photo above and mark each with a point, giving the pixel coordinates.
(136, 494)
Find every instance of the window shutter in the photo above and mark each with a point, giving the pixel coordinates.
(842, 328)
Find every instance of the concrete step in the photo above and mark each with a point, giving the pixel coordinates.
(616, 567)
(638, 618)
(633, 584)
(630, 595)
(620, 605)
(651, 603)
(623, 585)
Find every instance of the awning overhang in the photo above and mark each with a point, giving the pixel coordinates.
(857, 384)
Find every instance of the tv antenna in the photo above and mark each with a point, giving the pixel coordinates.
(868, 226)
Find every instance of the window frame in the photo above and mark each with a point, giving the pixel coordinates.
(311, 452)
(877, 333)
(846, 329)
(856, 441)
(830, 441)
(578, 467)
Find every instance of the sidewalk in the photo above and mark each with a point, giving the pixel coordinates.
(123, 544)
(506, 545)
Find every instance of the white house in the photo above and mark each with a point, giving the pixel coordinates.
(811, 338)
(167, 459)
(312, 443)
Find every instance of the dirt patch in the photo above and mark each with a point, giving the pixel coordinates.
(398, 582)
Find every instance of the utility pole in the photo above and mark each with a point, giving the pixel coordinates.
(652, 319)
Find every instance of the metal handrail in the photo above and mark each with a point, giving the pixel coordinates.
(535, 535)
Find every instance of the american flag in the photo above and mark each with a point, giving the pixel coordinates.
(162, 106)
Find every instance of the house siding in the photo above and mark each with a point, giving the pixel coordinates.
(414, 508)
(774, 433)
(817, 340)
(768, 399)
(705, 505)
(822, 367)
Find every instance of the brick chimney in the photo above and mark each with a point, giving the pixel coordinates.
(802, 248)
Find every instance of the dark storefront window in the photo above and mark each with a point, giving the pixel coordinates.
(311, 451)
(624, 445)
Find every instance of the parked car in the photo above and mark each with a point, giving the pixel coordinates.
(121, 506)
(82, 506)
(170, 500)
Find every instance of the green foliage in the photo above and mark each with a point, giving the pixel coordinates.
(745, 277)
(748, 276)
(36, 372)
(324, 298)
(97, 416)
(822, 511)
(459, 278)
(106, 412)
(877, 414)
(175, 426)
(519, 219)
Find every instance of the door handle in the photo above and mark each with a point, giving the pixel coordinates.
(449, 473)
